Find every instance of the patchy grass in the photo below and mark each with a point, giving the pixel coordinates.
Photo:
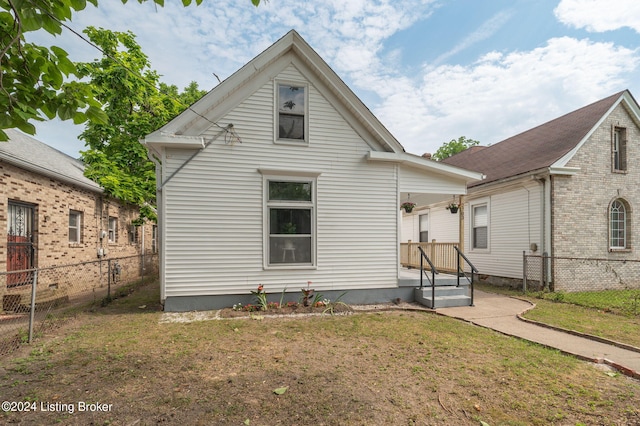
(605, 314)
(392, 367)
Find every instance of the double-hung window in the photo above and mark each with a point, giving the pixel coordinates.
(113, 229)
(424, 228)
(290, 221)
(480, 227)
(75, 227)
(292, 117)
(619, 149)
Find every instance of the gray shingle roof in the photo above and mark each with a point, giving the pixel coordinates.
(28, 153)
(534, 149)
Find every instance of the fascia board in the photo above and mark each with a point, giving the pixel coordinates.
(155, 141)
(350, 99)
(562, 161)
(425, 164)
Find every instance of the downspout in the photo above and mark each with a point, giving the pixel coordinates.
(544, 225)
(159, 210)
(461, 223)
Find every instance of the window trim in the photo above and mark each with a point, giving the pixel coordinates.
(619, 149)
(276, 112)
(472, 207)
(112, 239)
(626, 237)
(425, 215)
(79, 226)
(289, 176)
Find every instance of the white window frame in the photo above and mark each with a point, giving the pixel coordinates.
(113, 229)
(276, 130)
(77, 227)
(620, 219)
(423, 219)
(619, 149)
(154, 238)
(289, 176)
(473, 225)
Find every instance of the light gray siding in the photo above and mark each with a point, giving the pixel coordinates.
(214, 222)
(514, 223)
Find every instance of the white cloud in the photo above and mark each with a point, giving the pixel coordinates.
(503, 94)
(599, 15)
(499, 95)
(486, 30)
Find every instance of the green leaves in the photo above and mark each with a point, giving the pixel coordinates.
(39, 77)
(452, 147)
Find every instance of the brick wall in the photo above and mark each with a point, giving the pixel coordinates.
(53, 201)
(580, 206)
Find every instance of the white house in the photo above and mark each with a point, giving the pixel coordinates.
(279, 176)
(567, 188)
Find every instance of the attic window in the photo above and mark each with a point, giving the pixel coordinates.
(619, 149)
(292, 112)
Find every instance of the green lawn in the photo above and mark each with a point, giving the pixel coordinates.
(611, 314)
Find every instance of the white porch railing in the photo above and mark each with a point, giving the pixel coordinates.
(442, 255)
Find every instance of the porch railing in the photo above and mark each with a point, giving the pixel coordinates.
(442, 255)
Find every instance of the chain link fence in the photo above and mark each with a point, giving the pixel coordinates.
(610, 283)
(36, 300)
(575, 274)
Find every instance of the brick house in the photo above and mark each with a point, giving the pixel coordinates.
(568, 188)
(53, 215)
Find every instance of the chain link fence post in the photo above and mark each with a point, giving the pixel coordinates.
(524, 271)
(32, 312)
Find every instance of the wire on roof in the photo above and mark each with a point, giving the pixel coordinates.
(229, 129)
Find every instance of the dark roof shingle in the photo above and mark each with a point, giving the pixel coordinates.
(536, 148)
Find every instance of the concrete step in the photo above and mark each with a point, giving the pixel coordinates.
(445, 297)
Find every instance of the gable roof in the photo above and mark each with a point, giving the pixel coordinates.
(211, 107)
(549, 145)
(30, 154)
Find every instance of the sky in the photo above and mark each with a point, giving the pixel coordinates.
(429, 70)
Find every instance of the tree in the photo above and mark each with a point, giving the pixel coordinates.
(36, 82)
(454, 146)
(124, 82)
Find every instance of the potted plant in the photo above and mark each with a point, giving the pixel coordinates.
(408, 206)
(453, 208)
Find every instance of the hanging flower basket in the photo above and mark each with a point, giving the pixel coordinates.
(408, 206)
(453, 208)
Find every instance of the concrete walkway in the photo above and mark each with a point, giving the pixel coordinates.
(501, 313)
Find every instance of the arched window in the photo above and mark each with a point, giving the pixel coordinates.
(618, 226)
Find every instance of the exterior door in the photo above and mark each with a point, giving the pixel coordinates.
(20, 243)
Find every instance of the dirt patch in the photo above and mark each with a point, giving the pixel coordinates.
(393, 367)
(340, 308)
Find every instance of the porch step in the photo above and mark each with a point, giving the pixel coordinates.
(445, 296)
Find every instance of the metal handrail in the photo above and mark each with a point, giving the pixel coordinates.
(474, 270)
(434, 271)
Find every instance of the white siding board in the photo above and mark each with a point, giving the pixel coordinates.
(443, 225)
(412, 180)
(515, 223)
(214, 237)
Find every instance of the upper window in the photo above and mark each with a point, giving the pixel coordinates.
(480, 227)
(290, 222)
(75, 227)
(113, 229)
(619, 149)
(618, 226)
(292, 112)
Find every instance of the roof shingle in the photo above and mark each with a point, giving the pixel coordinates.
(536, 148)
